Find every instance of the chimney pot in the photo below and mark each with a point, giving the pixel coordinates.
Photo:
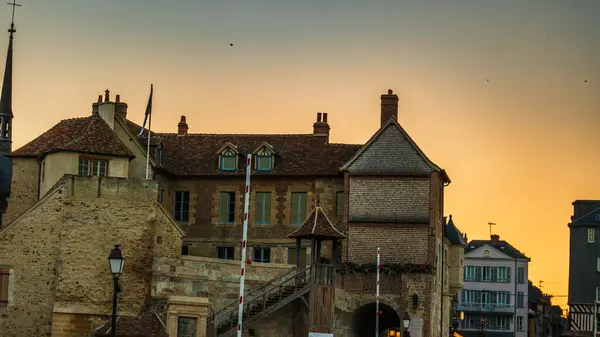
(106, 95)
(182, 127)
(117, 98)
(320, 127)
(389, 106)
(99, 98)
(495, 237)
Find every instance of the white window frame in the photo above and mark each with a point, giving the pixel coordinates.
(502, 274)
(470, 273)
(520, 323)
(486, 273)
(591, 235)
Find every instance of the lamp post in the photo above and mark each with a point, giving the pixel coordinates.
(482, 332)
(406, 323)
(115, 261)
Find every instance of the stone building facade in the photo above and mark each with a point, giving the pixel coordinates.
(385, 193)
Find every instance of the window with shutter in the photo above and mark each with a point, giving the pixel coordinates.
(4, 275)
(477, 273)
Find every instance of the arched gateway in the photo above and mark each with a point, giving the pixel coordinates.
(364, 319)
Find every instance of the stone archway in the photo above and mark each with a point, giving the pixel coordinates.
(364, 319)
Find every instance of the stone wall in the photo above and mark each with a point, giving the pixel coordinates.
(399, 244)
(203, 228)
(24, 190)
(57, 252)
(207, 277)
(29, 249)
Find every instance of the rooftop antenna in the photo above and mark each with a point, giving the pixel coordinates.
(491, 224)
(12, 29)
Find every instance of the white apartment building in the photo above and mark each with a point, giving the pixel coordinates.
(494, 297)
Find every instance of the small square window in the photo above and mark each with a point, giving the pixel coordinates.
(228, 161)
(264, 163)
(84, 167)
(262, 254)
(591, 235)
(186, 326)
(225, 253)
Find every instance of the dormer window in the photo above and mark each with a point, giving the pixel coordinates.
(228, 158)
(158, 154)
(264, 157)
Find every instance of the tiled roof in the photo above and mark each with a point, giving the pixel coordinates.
(86, 135)
(453, 234)
(500, 245)
(317, 225)
(145, 325)
(196, 154)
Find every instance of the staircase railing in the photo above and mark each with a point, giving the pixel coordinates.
(254, 291)
(269, 295)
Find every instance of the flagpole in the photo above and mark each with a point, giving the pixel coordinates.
(148, 153)
(149, 116)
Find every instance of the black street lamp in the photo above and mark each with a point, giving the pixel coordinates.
(116, 261)
(406, 323)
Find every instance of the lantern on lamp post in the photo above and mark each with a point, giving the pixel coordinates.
(406, 324)
(116, 262)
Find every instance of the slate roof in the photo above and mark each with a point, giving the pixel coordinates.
(589, 217)
(453, 234)
(304, 154)
(500, 245)
(317, 225)
(85, 135)
(145, 325)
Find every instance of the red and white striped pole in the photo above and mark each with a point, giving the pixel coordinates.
(377, 313)
(244, 245)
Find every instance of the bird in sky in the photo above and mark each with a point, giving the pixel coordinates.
(231, 45)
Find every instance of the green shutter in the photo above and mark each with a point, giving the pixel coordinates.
(223, 203)
(258, 207)
(294, 208)
(302, 207)
(267, 208)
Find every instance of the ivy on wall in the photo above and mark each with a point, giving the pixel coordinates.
(392, 269)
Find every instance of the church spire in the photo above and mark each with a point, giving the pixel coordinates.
(6, 113)
(6, 116)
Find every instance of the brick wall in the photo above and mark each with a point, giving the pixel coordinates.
(389, 199)
(398, 245)
(58, 250)
(24, 190)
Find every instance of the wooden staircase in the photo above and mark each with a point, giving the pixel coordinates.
(260, 302)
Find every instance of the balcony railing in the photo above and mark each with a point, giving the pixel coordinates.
(485, 307)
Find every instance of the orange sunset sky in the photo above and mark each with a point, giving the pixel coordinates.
(519, 148)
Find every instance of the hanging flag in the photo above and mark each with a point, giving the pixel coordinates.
(148, 111)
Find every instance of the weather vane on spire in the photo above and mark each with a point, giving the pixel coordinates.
(12, 29)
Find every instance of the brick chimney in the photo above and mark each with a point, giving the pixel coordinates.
(120, 107)
(106, 109)
(320, 127)
(495, 238)
(182, 127)
(389, 106)
(96, 104)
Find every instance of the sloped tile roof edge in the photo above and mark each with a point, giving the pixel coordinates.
(392, 121)
(58, 187)
(171, 220)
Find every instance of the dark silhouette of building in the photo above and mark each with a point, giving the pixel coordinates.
(584, 264)
(6, 116)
